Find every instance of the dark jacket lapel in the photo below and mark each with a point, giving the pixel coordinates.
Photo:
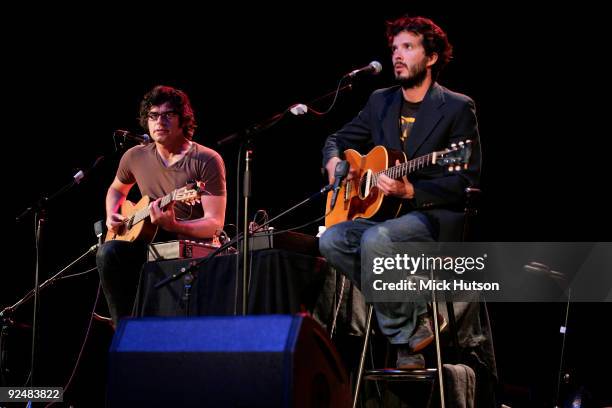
(390, 123)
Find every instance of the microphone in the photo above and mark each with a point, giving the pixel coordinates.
(373, 68)
(342, 169)
(127, 135)
(99, 231)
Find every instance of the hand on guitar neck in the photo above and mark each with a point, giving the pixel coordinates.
(401, 188)
(162, 217)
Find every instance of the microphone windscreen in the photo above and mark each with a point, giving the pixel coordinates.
(377, 66)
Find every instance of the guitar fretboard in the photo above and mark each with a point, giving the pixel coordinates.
(403, 169)
(144, 212)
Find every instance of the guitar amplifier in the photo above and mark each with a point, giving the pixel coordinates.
(161, 251)
(289, 241)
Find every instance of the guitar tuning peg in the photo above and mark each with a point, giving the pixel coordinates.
(451, 168)
(457, 167)
(454, 145)
(461, 143)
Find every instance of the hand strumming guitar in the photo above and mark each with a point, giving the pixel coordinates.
(114, 221)
(330, 167)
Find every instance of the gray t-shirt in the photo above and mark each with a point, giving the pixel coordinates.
(142, 165)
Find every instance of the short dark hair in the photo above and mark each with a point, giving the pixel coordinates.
(434, 38)
(179, 102)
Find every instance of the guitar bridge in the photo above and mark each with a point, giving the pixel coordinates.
(347, 190)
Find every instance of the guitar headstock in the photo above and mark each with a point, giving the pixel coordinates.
(456, 157)
(190, 194)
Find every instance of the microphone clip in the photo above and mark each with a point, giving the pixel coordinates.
(341, 171)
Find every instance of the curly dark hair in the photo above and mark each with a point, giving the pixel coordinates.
(177, 99)
(434, 38)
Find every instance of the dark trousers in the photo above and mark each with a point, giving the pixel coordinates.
(350, 247)
(119, 264)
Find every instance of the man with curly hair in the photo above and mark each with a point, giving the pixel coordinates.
(416, 117)
(158, 168)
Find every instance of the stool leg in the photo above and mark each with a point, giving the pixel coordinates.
(452, 331)
(363, 354)
(434, 305)
(337, 308)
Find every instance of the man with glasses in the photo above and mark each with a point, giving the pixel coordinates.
(158, 168)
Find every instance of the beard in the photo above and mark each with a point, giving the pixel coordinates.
(416, 76)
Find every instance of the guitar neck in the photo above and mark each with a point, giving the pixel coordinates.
(144, 212)
(404, 169)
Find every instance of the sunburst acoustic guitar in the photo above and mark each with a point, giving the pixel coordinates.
(361, 198)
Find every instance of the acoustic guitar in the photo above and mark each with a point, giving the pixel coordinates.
(361, 198)
(137, 224)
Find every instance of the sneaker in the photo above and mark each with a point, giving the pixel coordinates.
(441, 321)
(407, 360)
(104, 319)
(423, 334)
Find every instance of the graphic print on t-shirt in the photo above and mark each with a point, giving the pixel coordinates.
(407, 119)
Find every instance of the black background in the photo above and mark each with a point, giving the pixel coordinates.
(70, 80)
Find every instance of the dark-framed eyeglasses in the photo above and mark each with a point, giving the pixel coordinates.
(164, 115)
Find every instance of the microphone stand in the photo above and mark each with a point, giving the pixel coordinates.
(246, 193)
(187, 283)
(245, 137)
(190, 270)
(40, 216)
(7, 313)
(537, 267)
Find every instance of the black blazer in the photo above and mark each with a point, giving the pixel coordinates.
(444, 117)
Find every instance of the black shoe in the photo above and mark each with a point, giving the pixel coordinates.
(406, 360)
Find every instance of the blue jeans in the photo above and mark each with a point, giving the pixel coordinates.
(119, 264)
(346, 246)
